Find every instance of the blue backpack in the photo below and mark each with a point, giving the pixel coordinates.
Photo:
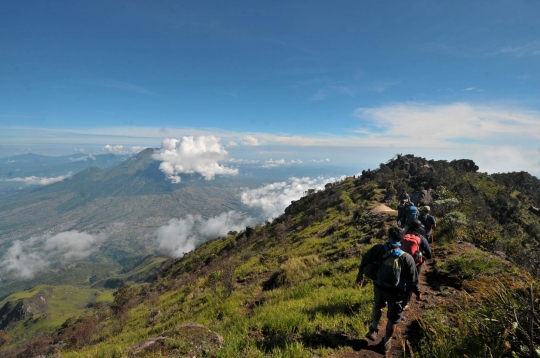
(411, 214)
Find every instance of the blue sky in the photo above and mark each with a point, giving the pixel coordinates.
(354, 82)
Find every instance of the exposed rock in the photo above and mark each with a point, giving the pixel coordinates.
(13, 312)
(464, 165)
(189, 339)
(381, 208)
(535, 211)
(421, 198)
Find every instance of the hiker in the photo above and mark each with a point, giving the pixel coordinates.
(427, 220)
(404, 196)
(415, 244)
(411, 214)
(396, 273)
(401, 213)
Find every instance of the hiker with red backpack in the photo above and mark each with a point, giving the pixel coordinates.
(415, 244)
(394, 274)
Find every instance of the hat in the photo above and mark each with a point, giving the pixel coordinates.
(426, 209)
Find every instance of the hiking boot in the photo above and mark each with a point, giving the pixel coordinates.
(386, 346)
(372, 334)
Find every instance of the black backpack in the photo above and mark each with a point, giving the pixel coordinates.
(387, 269)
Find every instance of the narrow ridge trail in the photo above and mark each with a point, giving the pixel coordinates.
(407, 331)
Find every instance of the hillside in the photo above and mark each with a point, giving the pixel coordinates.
(286, 288)
(129, 192)
(124, 203)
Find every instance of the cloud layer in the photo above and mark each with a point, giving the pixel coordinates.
(193, 155)
(26, 258)
(276, 163)
(272, 199)
(182, 235)
(119, 149)
(33, 180)
(86, 158)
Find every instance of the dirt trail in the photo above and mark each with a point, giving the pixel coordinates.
(408, 329)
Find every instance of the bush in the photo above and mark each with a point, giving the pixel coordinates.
(293, 271)
(467, 266)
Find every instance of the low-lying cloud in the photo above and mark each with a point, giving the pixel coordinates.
(193, 155)
(276, 163)
(272, 199)
(119, 149)
(86, 158)
(33, 180)
(250, 141)
(182, 235)
(26, 258)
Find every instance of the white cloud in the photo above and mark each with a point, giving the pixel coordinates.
(275, 163)
(469, 89)
(79, 150)
(243, 161)
(26, 258)
(9, 161)
(33, 180)
(232, 143)
(193, 155)
(443, 125)
(272, 199)
(116, 149)
(137, 149)
(320, 160)
(250, 141)
(182, 235)
(83, 159)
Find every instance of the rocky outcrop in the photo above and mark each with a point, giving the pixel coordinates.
(535, 211)
(464, 165)
(13, 312)
(421, 198)
(189, 339)
(408, 163)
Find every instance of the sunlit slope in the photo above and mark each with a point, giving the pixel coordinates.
(45, 307)
(286, 288)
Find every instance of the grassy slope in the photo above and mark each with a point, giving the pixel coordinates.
(62, 302)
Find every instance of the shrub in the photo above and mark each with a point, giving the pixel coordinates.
(467, 266)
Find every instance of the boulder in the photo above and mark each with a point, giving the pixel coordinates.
(421, 198)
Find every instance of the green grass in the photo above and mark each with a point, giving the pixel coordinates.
(467, 266)
(62, 302)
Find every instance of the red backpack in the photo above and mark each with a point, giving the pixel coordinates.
(411, 244)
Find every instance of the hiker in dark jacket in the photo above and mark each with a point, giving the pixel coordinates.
(416, 232)
(404, 196)
(427, 220)
(401, 213)
(393, 297)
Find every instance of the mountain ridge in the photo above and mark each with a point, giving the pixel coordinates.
(285, 288)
